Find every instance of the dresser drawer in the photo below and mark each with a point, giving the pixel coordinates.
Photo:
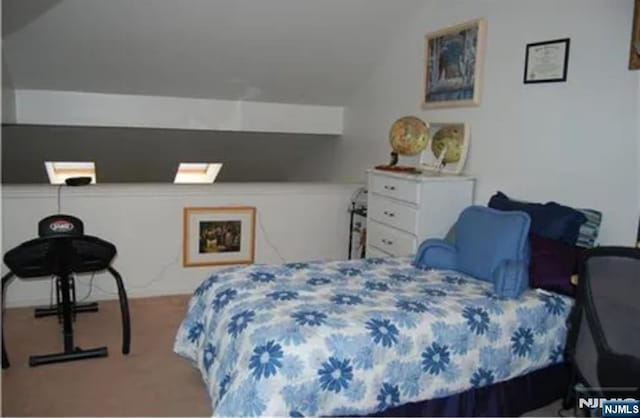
(390, 240)
(393, 213)
(395, 188)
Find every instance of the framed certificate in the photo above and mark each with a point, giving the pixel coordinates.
(546, 62)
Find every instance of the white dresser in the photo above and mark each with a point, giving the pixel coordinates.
(403, 210)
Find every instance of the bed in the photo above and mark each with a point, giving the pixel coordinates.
(361, 337)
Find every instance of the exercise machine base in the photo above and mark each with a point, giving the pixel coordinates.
(77, 354)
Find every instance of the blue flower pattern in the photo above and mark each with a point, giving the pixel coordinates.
(262, 276)
(412, 306)
(522, 342)
(383, 332)
(318, 281)
(208, 356)
(477, 319)
(195, 331)
(266, 360)
(553, 303)
(435, 359)
(223, 298)
(388, 396)
(379, 286)
(240, 321)
(343, 299)
(335, 374)
(283, 295)
(310, 318)
(358, 337)
(481, 378)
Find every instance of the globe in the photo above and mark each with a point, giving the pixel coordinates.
(451, 137)
(409, 135)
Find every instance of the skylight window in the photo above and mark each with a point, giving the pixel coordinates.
(194, 173)
(59, 171)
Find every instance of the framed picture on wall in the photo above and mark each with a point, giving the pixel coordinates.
(634, 58)
(453, 65)
(218, 236)
(547, 62)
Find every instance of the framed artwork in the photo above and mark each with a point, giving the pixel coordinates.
(546, 62)
(634, 58)
(453, 65)
(218, 236)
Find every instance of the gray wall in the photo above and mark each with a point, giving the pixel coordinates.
(134, 155)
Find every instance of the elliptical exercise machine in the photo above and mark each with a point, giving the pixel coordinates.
(62, 250)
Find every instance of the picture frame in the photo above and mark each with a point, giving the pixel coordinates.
(634, 54)
(453, 65)
(547, 61)
(214, 236)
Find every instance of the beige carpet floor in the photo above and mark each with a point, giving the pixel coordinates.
(151, 381)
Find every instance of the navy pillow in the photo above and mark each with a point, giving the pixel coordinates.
(550, 220)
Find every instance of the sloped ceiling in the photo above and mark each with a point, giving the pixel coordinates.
(286, 51)
(283, 51)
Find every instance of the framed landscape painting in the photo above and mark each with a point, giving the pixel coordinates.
(453, 65)
(218, 236)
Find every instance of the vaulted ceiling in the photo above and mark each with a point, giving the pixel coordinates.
(286, 51)
(299, 52)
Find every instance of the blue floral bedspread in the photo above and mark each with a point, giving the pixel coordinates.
(351, 338)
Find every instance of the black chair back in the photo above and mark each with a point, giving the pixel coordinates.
(604, 345)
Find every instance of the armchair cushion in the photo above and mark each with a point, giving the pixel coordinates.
(491, 245)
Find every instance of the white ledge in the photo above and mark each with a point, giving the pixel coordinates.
(46, 107)
(154, 190)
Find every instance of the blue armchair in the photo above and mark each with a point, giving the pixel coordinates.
(490, 245)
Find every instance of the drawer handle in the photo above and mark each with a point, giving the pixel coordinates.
(389, 187)
(389, 214)
(387, 242)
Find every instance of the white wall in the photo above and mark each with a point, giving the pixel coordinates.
(573, 142)
(302, 221)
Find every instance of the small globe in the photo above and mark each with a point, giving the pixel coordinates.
(453, 138)
(409, 135)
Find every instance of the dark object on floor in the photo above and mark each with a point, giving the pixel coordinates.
(604, 342)
(505, 399)
(62, 250)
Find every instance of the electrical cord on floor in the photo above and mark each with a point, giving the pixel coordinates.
(266, 238)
